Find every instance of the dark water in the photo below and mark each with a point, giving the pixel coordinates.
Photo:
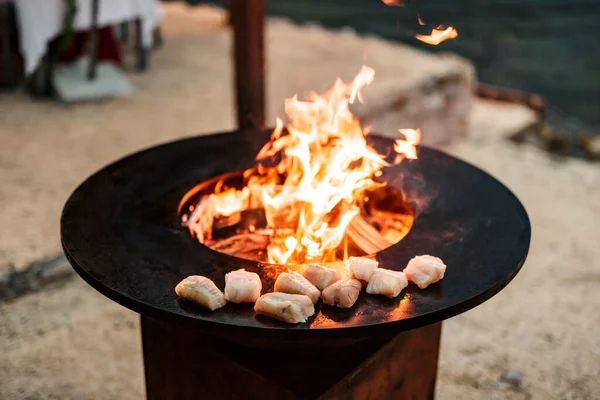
(551, 47)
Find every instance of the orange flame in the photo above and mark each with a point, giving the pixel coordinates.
(231, 201)
(312, 194)
(408, 146)
(438, 35)
(396, 3)
(327, 164)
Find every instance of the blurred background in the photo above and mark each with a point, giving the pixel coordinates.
(517, 94)
(548, 47)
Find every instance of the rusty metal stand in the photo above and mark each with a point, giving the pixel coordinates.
(182, 363)
(247, 18)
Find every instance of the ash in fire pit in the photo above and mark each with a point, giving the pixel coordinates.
(315, 195)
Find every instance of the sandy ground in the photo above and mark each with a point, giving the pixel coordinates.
(69, 342)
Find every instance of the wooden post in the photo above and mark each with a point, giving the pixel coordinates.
(247, 18)
(182, 363)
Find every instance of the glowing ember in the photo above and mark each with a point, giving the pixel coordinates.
(311, 180)
(232, 201)
(396, 3)
(438, 35)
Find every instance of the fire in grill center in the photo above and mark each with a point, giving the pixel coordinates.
(316, 193)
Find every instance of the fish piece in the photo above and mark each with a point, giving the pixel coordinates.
(387, 282)
(294, 283)
(343, 293)
(425, 270)
(321, 276)
(242, 286)
(290, 308)
(201, 290)
(362, 268)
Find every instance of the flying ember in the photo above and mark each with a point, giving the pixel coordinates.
(396, 3)
(438, 35)
(311, 187)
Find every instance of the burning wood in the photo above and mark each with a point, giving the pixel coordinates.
(240, 234)
(366, 236)
(246, 245)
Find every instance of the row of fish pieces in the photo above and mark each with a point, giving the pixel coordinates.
(291, 289)
(339, 292)
(287, 303)
(244, 287)
(314, 280)
(423, 270)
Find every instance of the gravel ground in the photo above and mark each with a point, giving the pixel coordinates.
(69, 342)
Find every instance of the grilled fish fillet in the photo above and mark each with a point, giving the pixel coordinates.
(362, 268)
(290, 308)
(294, 283)
(342, 293)
(242, 286)
(425, 270)
(387, 282)
(201, 290)
(321, 276)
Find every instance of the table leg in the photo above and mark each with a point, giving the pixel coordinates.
(404, 368)
(182, 363)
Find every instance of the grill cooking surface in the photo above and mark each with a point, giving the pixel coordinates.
(121, 232)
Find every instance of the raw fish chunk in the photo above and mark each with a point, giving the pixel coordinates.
(342, 293)
(387, 282)
(294, 283)
(362, 268)
(201, 290)
(290, 308)
(425, 270)
(321, 276)
(242, 286)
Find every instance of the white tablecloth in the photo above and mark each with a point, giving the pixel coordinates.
(41, 21)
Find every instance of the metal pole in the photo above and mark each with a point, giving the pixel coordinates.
(94, 41)
(247, 18)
